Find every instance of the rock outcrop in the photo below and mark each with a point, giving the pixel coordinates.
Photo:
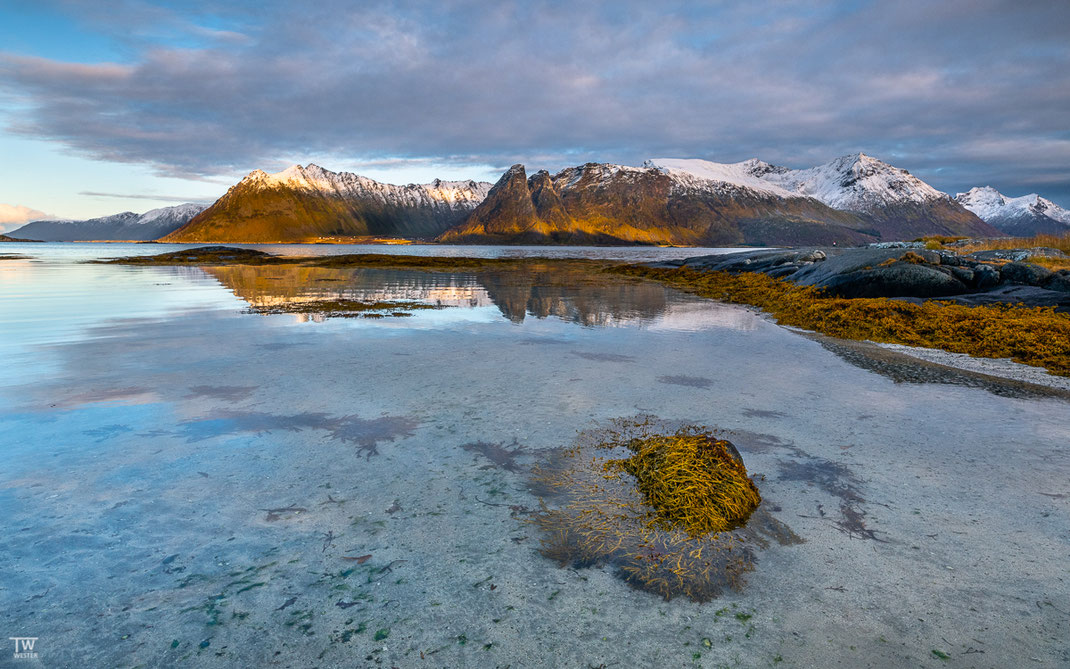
(900, 273)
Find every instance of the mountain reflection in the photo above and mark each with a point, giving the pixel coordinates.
(577, 296)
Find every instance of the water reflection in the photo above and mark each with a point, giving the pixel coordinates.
(572, 295)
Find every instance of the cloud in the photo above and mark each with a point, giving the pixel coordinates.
(137, 196)
(953, 91)
(15, 215)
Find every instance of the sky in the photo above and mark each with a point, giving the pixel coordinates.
(136, 104)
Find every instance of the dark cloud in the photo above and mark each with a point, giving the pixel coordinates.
(960, 92)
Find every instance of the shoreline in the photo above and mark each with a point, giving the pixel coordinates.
(1001, 376)
(996, 368)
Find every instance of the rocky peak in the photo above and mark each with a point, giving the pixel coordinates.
(540, 179)
(760, 168)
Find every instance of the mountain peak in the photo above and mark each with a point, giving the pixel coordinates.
(296, 173)
(1021, 216)
(981, 196)
(311, 202)
(859, 157)
(858, 162)
(858, 182)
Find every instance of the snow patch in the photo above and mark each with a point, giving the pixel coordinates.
(709, 175)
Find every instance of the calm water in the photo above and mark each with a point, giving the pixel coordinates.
(73, 251)
(189, 483)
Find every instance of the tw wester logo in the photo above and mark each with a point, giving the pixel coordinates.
(24, 647)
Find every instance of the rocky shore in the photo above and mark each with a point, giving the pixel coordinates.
(908, 272)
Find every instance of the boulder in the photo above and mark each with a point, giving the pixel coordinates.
(965, 275)
(1024, 273)
(1059, 281)
(985, 277)
(856, 260)
(899, 279)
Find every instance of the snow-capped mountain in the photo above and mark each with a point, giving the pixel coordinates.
(599, 203)
(854, 182)
(851, 200)
(447, 195)
(126, 226)
(1016, 216)
(309, 203)
(896, 204)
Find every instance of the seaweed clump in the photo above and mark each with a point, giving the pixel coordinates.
(692, 481)
(677, 515)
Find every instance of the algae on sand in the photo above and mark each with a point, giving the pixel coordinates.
(677, 516)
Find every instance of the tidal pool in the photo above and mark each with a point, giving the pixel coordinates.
(187, 482)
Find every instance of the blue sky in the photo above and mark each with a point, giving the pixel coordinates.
(132, 104)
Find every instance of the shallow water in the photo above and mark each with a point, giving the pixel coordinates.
(184, 480)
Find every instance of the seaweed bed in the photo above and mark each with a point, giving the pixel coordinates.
(675, 515)
(346, 308)
(1033, 336)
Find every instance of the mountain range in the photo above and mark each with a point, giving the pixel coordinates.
(126, 226)
(1016, 216)
(852, 200)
